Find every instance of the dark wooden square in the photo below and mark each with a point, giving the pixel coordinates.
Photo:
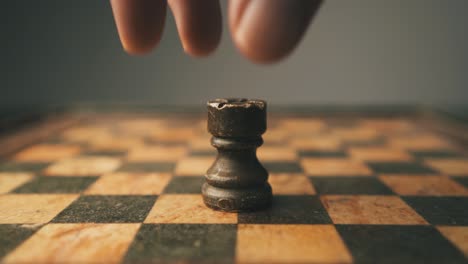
(12, 235)
(462, 180)
(441, 210)
(209, 153)
(12, 166)
(107, 209)
(376, 142)
(147, 167)
(161, 142)
(289, 209)
(56, 184)
(189, 184)
(183, 243)
(422, 154)
(108, 153)
(324, 154)
(349, 185)
(398, 244)
(282, 167)
(337, 122)
(400, 168)
(58, 140)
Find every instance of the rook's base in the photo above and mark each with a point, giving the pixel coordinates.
(237, 200)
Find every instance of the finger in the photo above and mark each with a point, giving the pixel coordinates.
(268, 30)
(140, 23)
(199, 24)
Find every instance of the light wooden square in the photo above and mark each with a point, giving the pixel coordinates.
(386, 125)
(458, 235)
(301, 125)
(267, 153)
(275, 136)
(424, 185)
(10, 180)
(47, 152)
(449, 166)
(201, 126)
(193, 166)
(318, 143)
(355, 134)
(157, 154)
(83, 166)
(32, 208)
(187, 209)
(201, 143)
(115, 143)
(420, 142)
(379, 154)
(85, 134)
(334, 167)
(290, 244)
(130, 184)
(180, 134)
(76, 243)
(290, 184)
(371, 210)
(141, 126)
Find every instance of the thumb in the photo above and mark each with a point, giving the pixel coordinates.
(267, 30)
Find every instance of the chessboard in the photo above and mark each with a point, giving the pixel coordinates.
(125, 187)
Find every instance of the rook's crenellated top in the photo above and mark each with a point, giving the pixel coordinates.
(237, 117)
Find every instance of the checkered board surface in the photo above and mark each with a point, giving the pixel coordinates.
(127, 189)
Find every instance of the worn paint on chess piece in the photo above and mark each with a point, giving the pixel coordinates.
(236, 181)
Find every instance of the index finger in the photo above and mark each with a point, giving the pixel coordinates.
(139, 23)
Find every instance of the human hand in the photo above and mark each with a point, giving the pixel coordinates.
(264, 31)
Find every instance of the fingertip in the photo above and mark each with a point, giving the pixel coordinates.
(199, 25)
(199, 51)
(139, 24)
(256, 53)
(137, 49)
(267, 37)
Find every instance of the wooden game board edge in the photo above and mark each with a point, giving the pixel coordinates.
(316, 109)
(35, 130)
(41, 125)
(444, 123)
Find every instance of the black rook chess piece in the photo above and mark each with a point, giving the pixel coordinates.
(236, 182)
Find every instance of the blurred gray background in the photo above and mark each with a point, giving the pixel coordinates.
(57, 52)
